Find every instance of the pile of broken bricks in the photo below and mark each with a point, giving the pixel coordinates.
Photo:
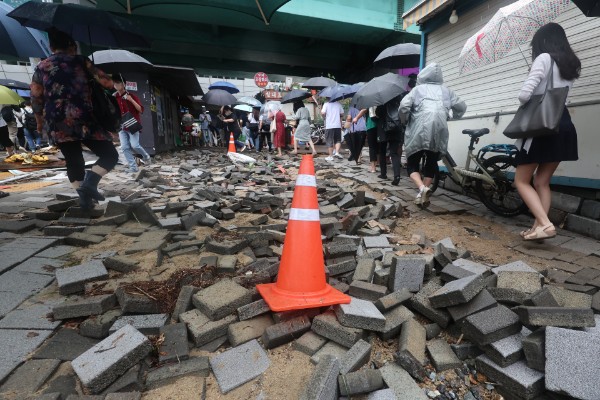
(464, 330)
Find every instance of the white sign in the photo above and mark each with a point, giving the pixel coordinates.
(288, 82)
(131, 86)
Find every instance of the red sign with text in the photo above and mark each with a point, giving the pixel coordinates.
(261, 79)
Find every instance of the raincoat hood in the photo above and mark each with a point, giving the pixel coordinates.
(431, 74)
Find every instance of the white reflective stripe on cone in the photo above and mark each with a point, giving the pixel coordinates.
(304, 214)
(306, 180)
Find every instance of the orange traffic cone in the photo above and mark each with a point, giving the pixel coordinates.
(231, 144)
(301, 280)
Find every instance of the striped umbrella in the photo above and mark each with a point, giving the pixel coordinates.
(512, 26)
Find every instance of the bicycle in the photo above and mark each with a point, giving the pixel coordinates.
(317, 133)
(492, 178)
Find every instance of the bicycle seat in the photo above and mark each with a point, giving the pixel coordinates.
(475, 133)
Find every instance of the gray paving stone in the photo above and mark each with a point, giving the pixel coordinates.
(285, 332)
(482, 301)
(507, 351)
(534, 350)
(124, 396)
(363, 381)
(556, 316)
(491, 325)
(356, 357)
(64, 385)
(513, 266)
(309, 343)
(120, 263)
(384, 394)
(331, 349)
(323, 384)
(393, 299)
(9, 301)
(136, 302)
(365, 268)
(148, 324)
(569, 298)
(101, 365)
(328, 326)
(83, 239)
(131, 380)
(407, 272)
(197, 366)
(341, 267)
(24, 283)
(442, 356)
(65, 345)
(29, 377)
(376, 242)
(32, 316)
(84, 306)
(403, 385)
(244, 331)
(462, 268)
(441, 255)
(175, 344)
(521, 381)
(73, 279)
(239, 365)
(515, 286)
(253, 309)
(39, 265)
(394, 320)
(97, 326)
(420, 303)
(202, 330)
(360, 314)
(221, 299)
(466, 350)
(15, 346)
(17, 226)
(413, 339)
(459, 291)
(366, 290)
(184, 301)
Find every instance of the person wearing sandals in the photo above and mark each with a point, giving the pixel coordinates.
(302, 130)
(541, 156)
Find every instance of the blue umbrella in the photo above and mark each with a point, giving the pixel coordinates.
(228, 87)
(18, 41)
(345, 92)
(328, 91)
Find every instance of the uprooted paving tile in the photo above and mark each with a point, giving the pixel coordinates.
(155, 291)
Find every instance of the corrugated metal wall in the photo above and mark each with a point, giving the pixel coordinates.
(494, 88)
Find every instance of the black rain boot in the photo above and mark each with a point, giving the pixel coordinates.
(396, 181)
(89, 187)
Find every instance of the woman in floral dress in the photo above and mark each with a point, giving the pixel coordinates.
(61, 99)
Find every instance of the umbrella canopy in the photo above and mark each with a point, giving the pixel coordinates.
(328, 91)
(251, 101)
(18, 41)
(379, 91)
(12, 84)
(218, 97)
(346, 92)
(319, 82)
(403, 55)
(295, 95)
(8, 96)
(243, 107)
(120, 61)
(262, 10)
(512, 26)
(84, 24)
(228, 87)
(590, 8)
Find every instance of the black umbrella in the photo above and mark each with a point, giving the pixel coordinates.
(84, 24)
(379, 91)
(120, 61)
(19, 41)
(590, 8)
(12, 84)
(319, 82)
(219, 97)
(404, 55)
(295, 95)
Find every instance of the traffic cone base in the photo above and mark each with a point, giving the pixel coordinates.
(301, 280)
(231, 144)
(283, 300)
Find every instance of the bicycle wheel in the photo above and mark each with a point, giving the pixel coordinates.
(503, 199)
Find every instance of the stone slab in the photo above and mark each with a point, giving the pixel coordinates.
(459, 291)
(331, 349)
(328, 326)
(403, 385)
(309, 343)
(239, 365)
(31, 316)
(520, 380)
(507, 351)
(442, 356)
(482, 301)
(407, 272)
(323, 384)
(29, 377)
(184, 301)
(202, 330)
(244, 331)
(66, 344)
(556, 316)
(253, 309)
(85, 306)
(221, 299)
(40, 265)
(175, 344)
(101, 365)
(393, 299)
(413, 340)
(197, 366)
(420, 303)
(73, 279)
(356, 357)
(394, 320)
(491, 325)
(360, 314)
(148, 324)
(285, 332)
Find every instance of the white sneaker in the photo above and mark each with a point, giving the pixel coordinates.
(338, 155)
(426, 196)
(330, 158)
(419, 199)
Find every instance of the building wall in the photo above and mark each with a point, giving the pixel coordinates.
(494, 88)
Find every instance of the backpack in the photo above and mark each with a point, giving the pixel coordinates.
(30, 121)
(105, 107)
(392, 116)
(7, 114)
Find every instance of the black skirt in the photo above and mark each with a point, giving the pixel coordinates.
(553, 148)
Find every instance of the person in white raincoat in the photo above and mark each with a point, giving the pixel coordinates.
(426, 110)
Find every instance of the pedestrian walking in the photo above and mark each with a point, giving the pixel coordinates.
(332, 113)
(4, 137)
(358, 133)
(61, 99)
(425, 111)
(8, 115)
(187, 125)
(302, 129)
(552, 57)
(232, 125)
(279, 134)
(130, 141)
(264, 126)
(253, 123)
(34, 139)
(371, 126)
(204, 121)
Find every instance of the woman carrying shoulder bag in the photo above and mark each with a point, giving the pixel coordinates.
(553, 57)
